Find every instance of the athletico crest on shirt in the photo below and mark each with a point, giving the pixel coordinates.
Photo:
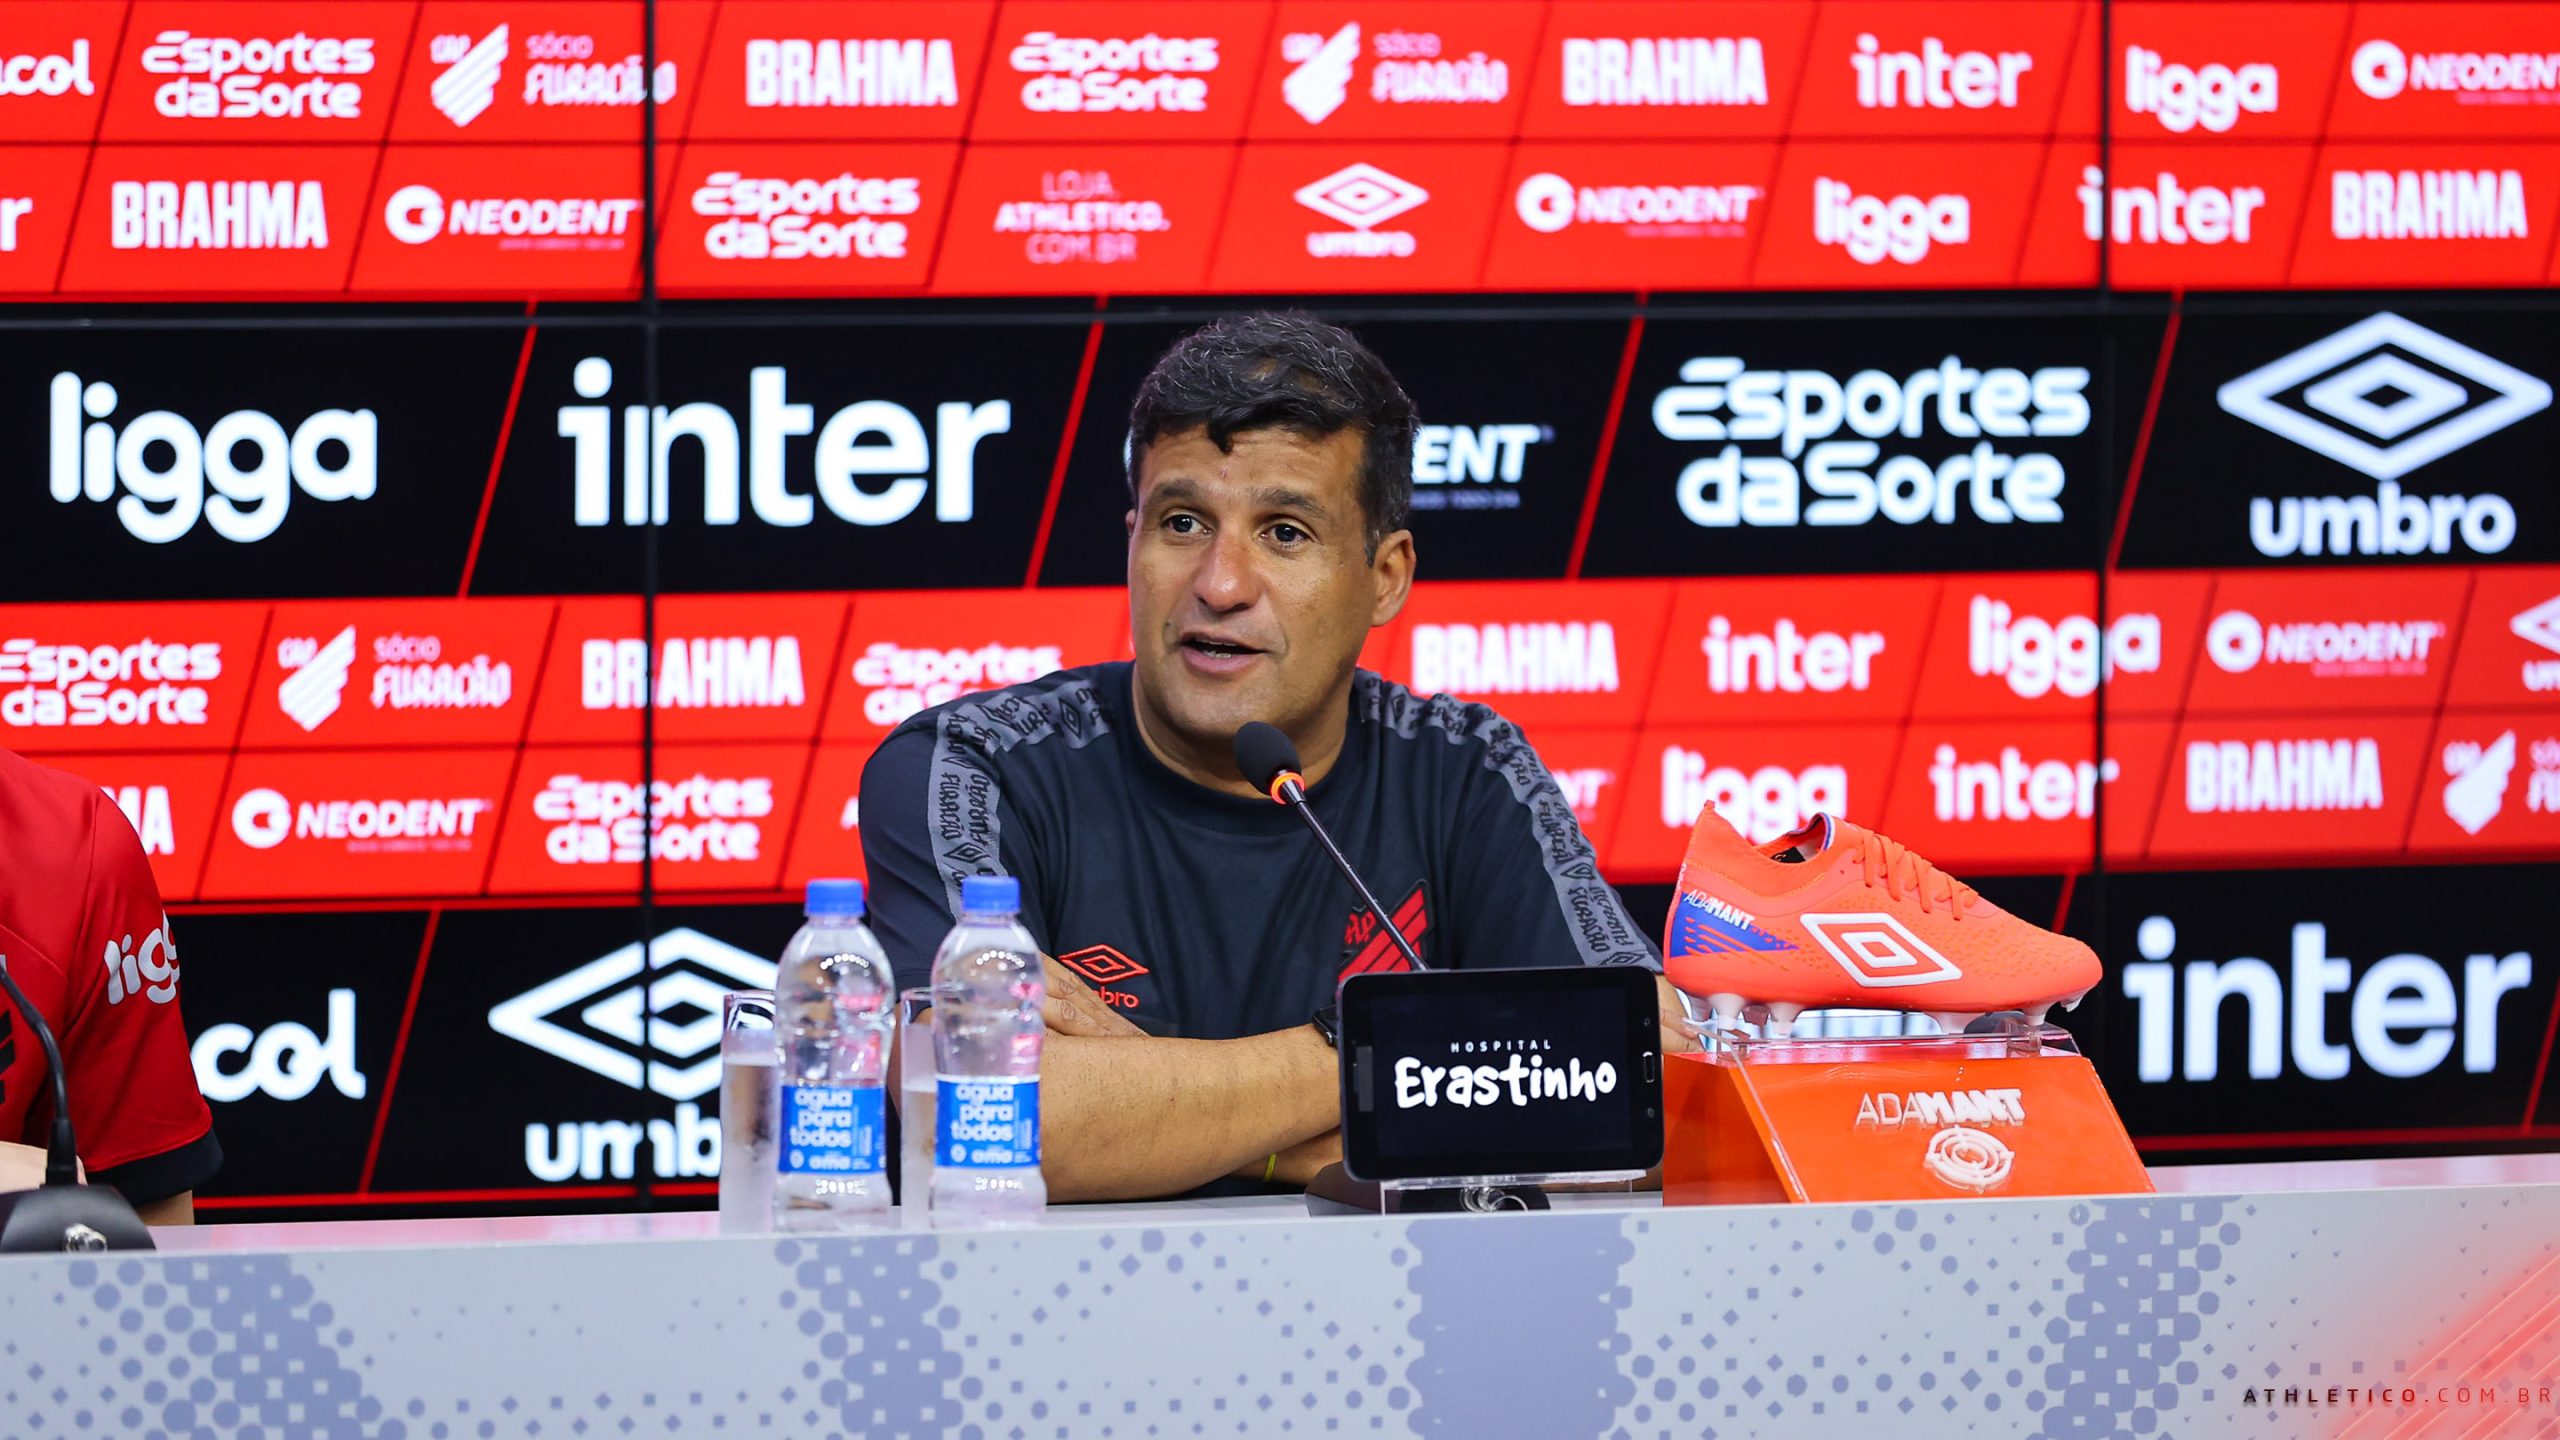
(1367, 948)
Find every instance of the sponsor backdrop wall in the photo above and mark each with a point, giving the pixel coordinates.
(2107, 448)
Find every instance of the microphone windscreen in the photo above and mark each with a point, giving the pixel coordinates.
(1262, 752)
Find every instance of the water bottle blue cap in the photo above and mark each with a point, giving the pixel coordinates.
(835, 897)
(990, 892)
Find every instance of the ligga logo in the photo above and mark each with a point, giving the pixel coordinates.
(329, 456)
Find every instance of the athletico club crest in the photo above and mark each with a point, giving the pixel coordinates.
(1367, 948)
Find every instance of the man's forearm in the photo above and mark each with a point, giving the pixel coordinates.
(1132, 1119)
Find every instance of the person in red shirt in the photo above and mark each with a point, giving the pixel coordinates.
(84, 936)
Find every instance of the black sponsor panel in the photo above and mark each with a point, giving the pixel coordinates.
(1920, 441)
(292, 1020)
(2242, 1003)
(2361, 434)
(193, 463)
(1511, 415)
(870, 456)
(551, 1049)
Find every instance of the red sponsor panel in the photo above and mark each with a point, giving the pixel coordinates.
(2453, 71)
(1590, 770)
(2243, 71)
(2491, 785)
(723, 667)
(1083, 219)
(2455, 214)
(1993, 797)
(2183, 215)
(1764, 779)
(1837, 648)
(1948, 70)
(2139, 750)
(1580, 217)
(2319, 644)
(1884, 215)
(2308, 787)
(1422, 69)
(125, 677)
(1139, 70)
(548, 70)
(2510, 644)
(718, 818)
(2031, 646)
(54, 66)
(2061, 248)
(828, 841)
(823, 70)
(804, 219)
(199, 220)
(319, 826)
(1541, 653)
(39, 189)
(1359, 217)
(518, 220)
(1667, 70)
(256, 70)
(908, 650)
(401, 673)
(170, 800)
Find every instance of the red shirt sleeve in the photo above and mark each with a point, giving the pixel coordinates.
(133, 1087)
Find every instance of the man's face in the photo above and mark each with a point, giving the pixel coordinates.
(1250, 592)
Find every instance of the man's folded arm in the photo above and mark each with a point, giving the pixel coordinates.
(1138, 1118)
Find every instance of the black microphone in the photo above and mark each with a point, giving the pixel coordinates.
(65, 1214)
(1266, 758)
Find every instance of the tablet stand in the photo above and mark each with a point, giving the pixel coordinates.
(1334, 1192)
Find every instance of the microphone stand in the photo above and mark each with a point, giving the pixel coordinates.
(64, 1214)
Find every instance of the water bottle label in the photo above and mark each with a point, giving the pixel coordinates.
(986, 1124)
(833, 1130)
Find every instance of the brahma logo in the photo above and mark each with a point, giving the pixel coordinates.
(2243, 777)
(149, 969)
(661, 998)
(851, 74)
(1535, 658)
(1075, 74)
(1549, 203)
(217, 215)
(2383, 71)
(899, 681)
(1878, 951)
(47, 75)
(2181, 97)
(2014, 788)
(469, 84)
(315, 676)
(417, 214)
(164, 501)
(224, 78)
(1411, 71)
(1688, 70)
(2478, 789)
(1900, 228)
(147, 809)
(775, 219)
(2427, 205)
(598, 822)
(2166, 212)
(1364, 197)
(2541, 626)
(1765, 804)
(2238, 643)
(841, 462)
(286, 1061)
(146, 683)
(1934, 77)
(264, 819)
(1788, 660)
(698, 672)
(2037, 656)
(2403, 1011)
(1720, 400)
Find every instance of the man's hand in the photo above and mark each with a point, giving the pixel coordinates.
(1073, 1009)
(22, 1167)
(1679, 1032)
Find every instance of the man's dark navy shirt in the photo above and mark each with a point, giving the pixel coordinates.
(1210, 916)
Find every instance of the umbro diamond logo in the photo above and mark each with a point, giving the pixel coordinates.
(674, 1015)
(2385, 396)
(1361, 196)
(1879, 951)
(2541, 625)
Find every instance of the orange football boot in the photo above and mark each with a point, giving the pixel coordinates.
(1836, 915)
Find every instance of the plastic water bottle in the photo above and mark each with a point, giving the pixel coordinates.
(833, 1013)
(987, 990)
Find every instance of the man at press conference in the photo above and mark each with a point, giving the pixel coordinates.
(1269, 477)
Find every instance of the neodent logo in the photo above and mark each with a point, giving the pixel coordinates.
(329, 456)
(1684, 70)
(1900, 228)
(146, 683)
(1769, 802)
(2427, 205)
(2238, 643)
(2181, 96)
(2242, 777)
(1549, 204)
(842, 460)
(2382, 70)
(47, 75)
(1934, 77)
(2012, 787)
(1786, 660)
(1535, 658)
(1473, 455)
(2036, 656)
(1075, 74)
(851, 74)
(2178, 1016)
(1719, 399)
(899, 681)
(417, 214)
(264, 819)
(759, 218)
